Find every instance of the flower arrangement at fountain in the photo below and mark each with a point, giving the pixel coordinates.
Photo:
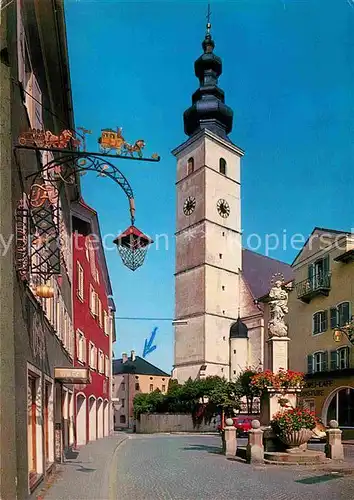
(294, 426)
(284, 379)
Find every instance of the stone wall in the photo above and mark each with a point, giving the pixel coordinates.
(168, 422)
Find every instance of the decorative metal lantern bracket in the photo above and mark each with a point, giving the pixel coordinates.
(46, 184)
(347, 330)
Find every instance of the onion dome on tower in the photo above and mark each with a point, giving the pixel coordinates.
(208, 108)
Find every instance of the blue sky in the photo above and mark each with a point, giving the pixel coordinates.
(288, 72)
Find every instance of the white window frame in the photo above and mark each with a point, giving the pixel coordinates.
(106, 365)
(321, 322)
(340, 350)
(99, 311)
(93, 300)
(314, 370)
(100, 361)
(105, 323)
(92, 355)
(81, 346)
(80, 281)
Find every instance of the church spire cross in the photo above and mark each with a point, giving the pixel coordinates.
(208, 20)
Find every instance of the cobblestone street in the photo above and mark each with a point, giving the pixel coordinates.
(151, 467)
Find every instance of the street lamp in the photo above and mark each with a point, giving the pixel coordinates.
(347, 330)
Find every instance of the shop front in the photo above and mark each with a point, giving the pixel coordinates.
(65, 379)
(331, 397)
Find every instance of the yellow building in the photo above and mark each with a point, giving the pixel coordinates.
(132, 376)
(321, 302)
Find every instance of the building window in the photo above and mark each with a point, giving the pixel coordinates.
(100, 361)
(222, 166)
(151, 387)
(80, 281)
(163, 388)
(319, 322)
(99, 312)
(343, 313)
(80, 346)
(123, 402)
(93, 356)
(93, 301)
(220, 255)
(318, 273)
(340, 358)
(234, 372)
(340, 315)
(122, 386)
(234, 351)
(190, 166)
(105, 322)
(122, 419)
(309, 404)
(341, 408)
(137, 386)
(106, 369)
(317, 362)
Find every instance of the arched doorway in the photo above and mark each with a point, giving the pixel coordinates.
(106, 418)
(81, 421)
(92, 419)
(340, 406)
(99, 418)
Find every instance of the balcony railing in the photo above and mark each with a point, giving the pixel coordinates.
(319, 284)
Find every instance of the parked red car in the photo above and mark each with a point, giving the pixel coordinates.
(242, 424)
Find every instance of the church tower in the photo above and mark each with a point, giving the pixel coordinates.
(208, 232)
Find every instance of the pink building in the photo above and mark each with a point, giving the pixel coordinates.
(94, 327)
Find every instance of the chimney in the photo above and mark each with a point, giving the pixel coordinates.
(124, 357)
(133, 355)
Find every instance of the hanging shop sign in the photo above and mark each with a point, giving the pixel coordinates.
(73, 375)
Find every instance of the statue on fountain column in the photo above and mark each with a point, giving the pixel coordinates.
(278, 305)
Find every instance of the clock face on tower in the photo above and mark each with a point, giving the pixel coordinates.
(223, 208)
(189, 205)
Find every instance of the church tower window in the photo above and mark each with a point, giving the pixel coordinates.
(190, 166)
(222, 166)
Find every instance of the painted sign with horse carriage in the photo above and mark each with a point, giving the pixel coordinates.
(113, 141)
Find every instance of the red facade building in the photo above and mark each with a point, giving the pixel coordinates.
(93, 325)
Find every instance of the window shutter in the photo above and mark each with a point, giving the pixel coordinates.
(334, 317)
(37, 104)
(347, 357)
(309, 363)
(325, 321)
(334, 360)
(310, 272)
(326, 265)
(21, 45)
(77, 344)
(325, 361)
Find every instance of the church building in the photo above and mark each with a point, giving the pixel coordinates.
(220, 324)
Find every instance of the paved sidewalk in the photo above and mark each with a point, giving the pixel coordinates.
(86, 476)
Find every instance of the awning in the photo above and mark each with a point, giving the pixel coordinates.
(73, 375)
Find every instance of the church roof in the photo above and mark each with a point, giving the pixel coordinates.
(258, 269)
(138, 367)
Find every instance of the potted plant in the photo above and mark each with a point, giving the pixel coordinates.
(294, 426)
(284, 379)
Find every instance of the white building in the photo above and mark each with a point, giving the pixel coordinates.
(214, 292)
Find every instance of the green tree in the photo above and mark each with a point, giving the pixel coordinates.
(244, 388)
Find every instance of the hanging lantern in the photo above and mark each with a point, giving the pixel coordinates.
(45, 291)
(132, 246)
(337, 335)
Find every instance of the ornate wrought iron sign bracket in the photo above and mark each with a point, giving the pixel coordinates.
(41, 210)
